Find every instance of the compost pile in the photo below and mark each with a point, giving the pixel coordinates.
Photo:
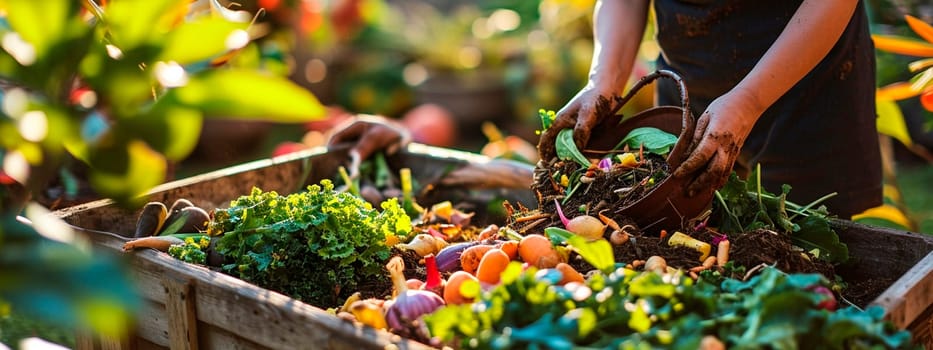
(438, 275)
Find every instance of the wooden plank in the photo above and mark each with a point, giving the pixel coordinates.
(216, 338)
(182, 314)
(152, 323)
(110, 343)
(922, 329)
(84, 340)
(910, 296)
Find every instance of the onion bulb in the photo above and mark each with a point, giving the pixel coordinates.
(409, 304)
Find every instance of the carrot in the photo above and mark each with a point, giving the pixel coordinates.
(470, 258)
(569, 274)
(160, 243)
(708, 263)
(537, 250)
(452, 291)
(722, 252)
(510, 248)
(491, 266)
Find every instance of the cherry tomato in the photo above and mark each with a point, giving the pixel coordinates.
(926, 98)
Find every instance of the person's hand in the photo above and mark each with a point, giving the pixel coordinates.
(720, 133)
(370, 133)
(582, 113)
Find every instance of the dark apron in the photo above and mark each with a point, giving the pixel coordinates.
(820, 137)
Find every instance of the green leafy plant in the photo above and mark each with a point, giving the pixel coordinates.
(122, 88)
(628, 309)
(315, 246)
(191, 251)
(746, 206)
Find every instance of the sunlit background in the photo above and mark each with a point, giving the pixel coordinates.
(458, 74)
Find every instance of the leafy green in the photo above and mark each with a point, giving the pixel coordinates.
(742, 206)
(567, 149)
(597, 252)
(628, 309)
(547, 118)
(191, 251)
(653, 139)
(315, 246)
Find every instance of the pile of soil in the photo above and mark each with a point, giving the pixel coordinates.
(607, 192)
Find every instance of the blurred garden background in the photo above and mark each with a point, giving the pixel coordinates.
(460, 74)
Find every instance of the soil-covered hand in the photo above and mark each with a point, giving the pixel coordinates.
(719, 135)
(370, 133)
(582, 113)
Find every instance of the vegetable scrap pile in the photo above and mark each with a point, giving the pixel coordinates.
(620, 177)
(755, 271)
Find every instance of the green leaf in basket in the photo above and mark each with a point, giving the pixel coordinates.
(654, 140)
(567, 149)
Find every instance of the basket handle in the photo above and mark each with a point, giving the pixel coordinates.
(677, 154)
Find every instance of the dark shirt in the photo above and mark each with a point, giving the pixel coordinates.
(820, 137)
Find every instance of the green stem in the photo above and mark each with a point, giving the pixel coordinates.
(726, 208)
(351, 184)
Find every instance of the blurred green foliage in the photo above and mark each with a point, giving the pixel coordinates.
(123, 88)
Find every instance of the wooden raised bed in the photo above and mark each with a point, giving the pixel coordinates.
(191, 307)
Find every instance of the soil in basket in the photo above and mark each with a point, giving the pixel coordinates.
(748, 250)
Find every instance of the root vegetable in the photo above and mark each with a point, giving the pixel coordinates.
(424, 244)
(707, 264)
(453, 291)
(160, 243)
(656, 263)
(510, 248)
(491, 266)
(488, 232)
(722, 252)
(587, 227)
(188, 219)
(448, 259)
(619, 237)
(537, 250)
(569, 274)
(150, 219)
(409, 304)
(178, 205)
(471, 257)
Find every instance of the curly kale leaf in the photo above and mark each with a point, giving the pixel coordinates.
(315, 245)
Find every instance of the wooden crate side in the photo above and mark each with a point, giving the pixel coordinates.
(910, 299)
(216, 338)
(258, 315)
(879, 251)
(922, 329)
(152, 323)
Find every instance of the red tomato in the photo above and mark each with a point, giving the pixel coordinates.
(926, 98)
